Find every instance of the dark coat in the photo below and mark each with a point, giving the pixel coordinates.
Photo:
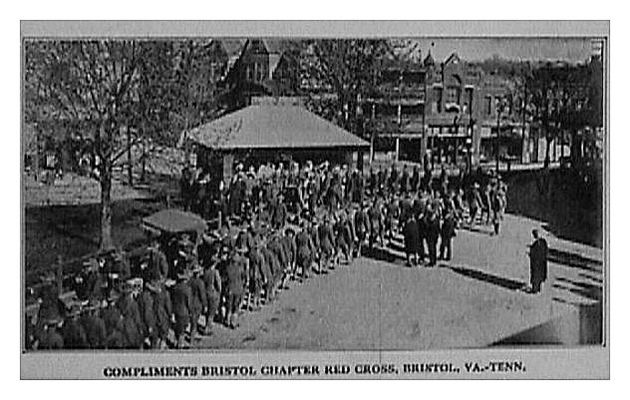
(432, 229)
(158, 265)
(290, 248)
(448, 227)
(199, 298)
(212, 282)
(182, 300)
(50, 339)
(411, 233)
(255, 269)
(279, 216)
(95, 331)
(326, 238)
(269, 262)
(163, 309)
(147, 310)
(112, 318)
(361, 224)
(129, 309)
(235, 275)
(538, 260)
(74, 336)
(132, 333)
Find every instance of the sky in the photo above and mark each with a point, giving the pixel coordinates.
(533, 49)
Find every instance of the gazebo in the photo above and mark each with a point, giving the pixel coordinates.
(272, 132)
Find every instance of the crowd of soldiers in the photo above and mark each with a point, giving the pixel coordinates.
(276, 225)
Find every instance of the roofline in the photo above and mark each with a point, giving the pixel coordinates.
(289, 147)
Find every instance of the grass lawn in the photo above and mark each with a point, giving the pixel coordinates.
(73, 231)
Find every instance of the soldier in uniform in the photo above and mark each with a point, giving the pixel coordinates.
(288, 243)
(74, 336)
(392, 181)
(376, 223)
(199, 301)
(269, 263)
(313, 233)
(474, 203)
(279, 215)
(414, 181)
(305, 250)
(182, 305)
(113, 323)
(404, 180)
(447, 232)
(361, 226)
(94, 326)
(235, 273)
(93, 281)
(411, 234)
(147, 311)
(163, 309)
(158, 264)
(49, 337)
(132, 324)
(327, 244)
(256, 275)
(120, 264)
(275, 245)
(212, 284)
(432, 232)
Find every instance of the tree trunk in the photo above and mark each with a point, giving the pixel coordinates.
(547, 151)
(129, 162)
(106, 204)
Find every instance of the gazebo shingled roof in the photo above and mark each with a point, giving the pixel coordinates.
(274, 126)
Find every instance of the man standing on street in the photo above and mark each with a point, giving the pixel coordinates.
(537, 262)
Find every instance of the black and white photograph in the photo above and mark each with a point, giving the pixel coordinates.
(235, 194)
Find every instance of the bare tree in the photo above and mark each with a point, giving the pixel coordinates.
(90, 86)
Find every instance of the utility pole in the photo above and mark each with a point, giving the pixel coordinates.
(498, 133)
(524, 143)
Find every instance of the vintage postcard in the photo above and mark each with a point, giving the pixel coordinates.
(314, 200)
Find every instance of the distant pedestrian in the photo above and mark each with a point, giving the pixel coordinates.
(537, 262)
(432, 233)
(447, 232)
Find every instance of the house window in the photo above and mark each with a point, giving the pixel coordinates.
(469, 97)
(452, 94)
(437, 94)
(260, 76)
(488, 105)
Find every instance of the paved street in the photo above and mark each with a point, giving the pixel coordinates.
(474, 300)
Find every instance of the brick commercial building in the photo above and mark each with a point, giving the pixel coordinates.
(447, 111)
(458, 113)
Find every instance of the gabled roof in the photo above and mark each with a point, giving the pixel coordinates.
(273, 126)
(274, 60)
(278, 46)
(453, 58)
(428, 60)
(233, 46)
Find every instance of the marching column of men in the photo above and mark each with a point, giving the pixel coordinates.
(278, 225)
